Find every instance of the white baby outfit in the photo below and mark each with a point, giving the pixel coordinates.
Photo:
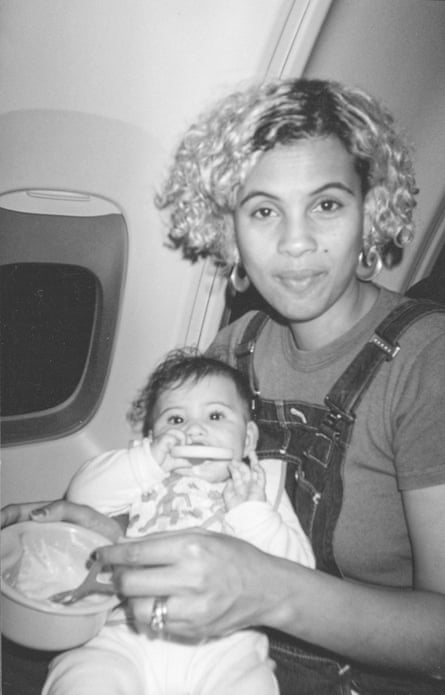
(124, 661)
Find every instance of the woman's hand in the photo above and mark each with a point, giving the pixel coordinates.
(210, 581)
(212, 588)
(62, 510)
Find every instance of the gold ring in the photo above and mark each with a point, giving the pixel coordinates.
(159, 614)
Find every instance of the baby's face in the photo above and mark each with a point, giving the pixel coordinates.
(209, 413)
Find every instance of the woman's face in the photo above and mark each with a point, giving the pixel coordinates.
(299, 226)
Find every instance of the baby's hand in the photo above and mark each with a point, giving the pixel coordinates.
(162, 446)
(247, 483)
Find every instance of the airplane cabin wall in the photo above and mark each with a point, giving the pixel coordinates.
(94, 96)
(396, 50)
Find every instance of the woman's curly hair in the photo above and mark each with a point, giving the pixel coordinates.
(218, 151)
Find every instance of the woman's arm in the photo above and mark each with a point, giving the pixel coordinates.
(213, 586)
(387, 627)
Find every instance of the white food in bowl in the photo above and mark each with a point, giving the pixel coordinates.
(45, 568)
(30, 573)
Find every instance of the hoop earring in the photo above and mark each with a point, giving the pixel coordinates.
(239, 280)
(369, 264)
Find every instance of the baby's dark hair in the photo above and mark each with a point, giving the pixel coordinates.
(179, 367)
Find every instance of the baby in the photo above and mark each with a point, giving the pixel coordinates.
(194, 466)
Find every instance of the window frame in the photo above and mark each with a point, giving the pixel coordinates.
(98, 243)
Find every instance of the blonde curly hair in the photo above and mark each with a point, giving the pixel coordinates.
(218, 151)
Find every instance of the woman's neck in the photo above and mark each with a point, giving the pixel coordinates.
(335, 322)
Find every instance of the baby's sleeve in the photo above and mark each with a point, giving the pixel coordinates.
(111, 481)
(105, 483)
(277, 532)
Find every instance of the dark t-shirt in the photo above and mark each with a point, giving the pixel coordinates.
(398, 441)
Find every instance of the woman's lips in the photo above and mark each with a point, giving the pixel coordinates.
(300, 280)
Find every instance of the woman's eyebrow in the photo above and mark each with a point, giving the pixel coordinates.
(326, 186)
(333, 184)
(254, 194)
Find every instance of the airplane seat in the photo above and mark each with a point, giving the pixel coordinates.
(23, 670)
(433, 286)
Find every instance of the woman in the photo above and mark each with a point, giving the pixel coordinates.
(305, 187)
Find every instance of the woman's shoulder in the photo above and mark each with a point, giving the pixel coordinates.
(417, 374)
(425, 322)
(229, 337)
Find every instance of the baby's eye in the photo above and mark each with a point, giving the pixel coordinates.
(175, 420)
(216, 415)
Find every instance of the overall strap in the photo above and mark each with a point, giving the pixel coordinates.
(346, 394)
(245, 349)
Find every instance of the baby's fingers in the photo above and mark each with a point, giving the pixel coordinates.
(259, 475)
(171, 438)
(162, 446)
(240, 469)
(240, 475)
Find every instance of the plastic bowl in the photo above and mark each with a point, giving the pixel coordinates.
(39, 623)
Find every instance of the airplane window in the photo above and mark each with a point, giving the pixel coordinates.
(61, 280)
(47, 320)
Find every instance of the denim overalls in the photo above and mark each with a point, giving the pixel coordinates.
(312, 439)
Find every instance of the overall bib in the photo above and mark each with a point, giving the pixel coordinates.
(312, 439)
